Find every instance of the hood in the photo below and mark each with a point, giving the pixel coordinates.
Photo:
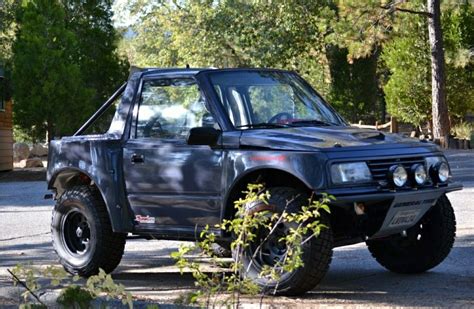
(321, 138)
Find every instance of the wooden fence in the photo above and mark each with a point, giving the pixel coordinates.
(392, 125)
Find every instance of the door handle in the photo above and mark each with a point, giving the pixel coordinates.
(137, 158)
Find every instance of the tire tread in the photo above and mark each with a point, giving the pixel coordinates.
(111, 245)
(439, 250)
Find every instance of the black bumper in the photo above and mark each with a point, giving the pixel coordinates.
(382, 208)
(352, 195)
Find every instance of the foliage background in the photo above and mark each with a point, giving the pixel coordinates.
(63, 61)
(366, 58)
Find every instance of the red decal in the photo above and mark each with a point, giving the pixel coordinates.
(145, 219)
(278, 158)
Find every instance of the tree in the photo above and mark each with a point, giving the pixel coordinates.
(286, 34)
(458, 22)
(96, 51)
(354, 89)
(407, 56)
(7, 35)
(441, 126)
(7, 16)
(48, 90)
(377, 23)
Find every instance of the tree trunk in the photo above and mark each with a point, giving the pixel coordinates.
(439, 107)
(49, 131)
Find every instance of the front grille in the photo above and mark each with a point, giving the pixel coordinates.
(379, 168)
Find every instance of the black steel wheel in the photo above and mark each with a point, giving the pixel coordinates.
(82, 234)
(77, 233)
(267, 250)
(424, 246)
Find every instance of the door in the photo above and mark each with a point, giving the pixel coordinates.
(169, 183)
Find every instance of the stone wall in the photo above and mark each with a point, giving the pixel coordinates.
(6, 138)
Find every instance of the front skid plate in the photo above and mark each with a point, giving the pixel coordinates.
(405, 211)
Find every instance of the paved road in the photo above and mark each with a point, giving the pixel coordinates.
(353, 279)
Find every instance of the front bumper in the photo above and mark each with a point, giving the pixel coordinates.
(391, 212)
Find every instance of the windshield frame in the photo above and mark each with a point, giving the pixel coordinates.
(207, 76)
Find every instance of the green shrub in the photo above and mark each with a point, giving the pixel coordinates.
(463, 130)
(225, 288)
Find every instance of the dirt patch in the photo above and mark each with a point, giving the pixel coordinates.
(24, 174)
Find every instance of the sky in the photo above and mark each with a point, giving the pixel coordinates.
(122, 16)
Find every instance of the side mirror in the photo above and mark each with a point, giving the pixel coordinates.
(203, 136)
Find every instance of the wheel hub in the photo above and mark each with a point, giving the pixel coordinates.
(273, 249)
(79, 232)
(76, 231)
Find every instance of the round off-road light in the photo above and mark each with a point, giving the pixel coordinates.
(443, 171)
(398, 175)
(439, 173)
(419, 174)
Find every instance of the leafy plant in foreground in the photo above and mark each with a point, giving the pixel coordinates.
(72, 295)
(225, 288)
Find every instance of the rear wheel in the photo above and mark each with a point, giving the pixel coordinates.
(316, 255)
(82, 234)
(426, 244)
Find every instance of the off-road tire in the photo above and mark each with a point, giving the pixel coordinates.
(316, 256)
(105, 248)
(427, 244)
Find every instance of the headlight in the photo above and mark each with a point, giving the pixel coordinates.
(350, 173)
(438, 169)
(398, 175)
(418, 172)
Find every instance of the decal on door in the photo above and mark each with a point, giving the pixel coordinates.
(145, 219)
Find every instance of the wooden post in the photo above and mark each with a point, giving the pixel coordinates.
(393, 125)
(376, 125)
(6, 138)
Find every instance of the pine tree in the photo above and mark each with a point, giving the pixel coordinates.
(48, 90)
(101, 67)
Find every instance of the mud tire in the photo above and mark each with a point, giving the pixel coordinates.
(82, 211)
(427, 244)
(317, 253)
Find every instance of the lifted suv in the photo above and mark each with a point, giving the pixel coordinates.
(178, 146)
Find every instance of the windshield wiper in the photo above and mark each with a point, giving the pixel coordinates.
(314, 121)
(262, 125)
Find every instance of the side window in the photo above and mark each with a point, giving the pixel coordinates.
(170, 107)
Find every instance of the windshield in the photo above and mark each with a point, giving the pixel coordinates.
(270, 99)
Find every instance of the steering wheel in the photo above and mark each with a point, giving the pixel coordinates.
(151, 125)
(280, 116)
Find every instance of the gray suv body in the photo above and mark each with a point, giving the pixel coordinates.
(182, 145)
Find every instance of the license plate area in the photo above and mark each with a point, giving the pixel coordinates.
(406, 209)
(404, 217)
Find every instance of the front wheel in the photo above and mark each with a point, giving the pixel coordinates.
(425, 245)
(316, 254)
(82, 233)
